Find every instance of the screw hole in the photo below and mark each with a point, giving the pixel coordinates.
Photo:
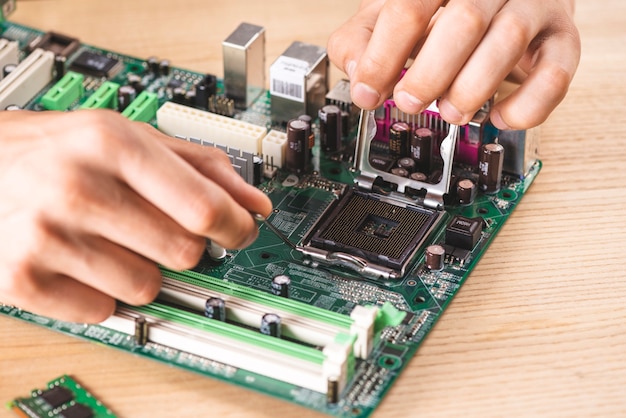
(420, 299)
(482, 211)
(265, 256)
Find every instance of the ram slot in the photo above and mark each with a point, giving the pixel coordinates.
(9, 53)
(29, 78)
(303, 322)
(240, 347)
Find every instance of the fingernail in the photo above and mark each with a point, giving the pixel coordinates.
(498, 122)
(350, 69)
(365, 96)
(407, 102)
(449, 112)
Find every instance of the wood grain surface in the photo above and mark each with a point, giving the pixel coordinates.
(539, 329)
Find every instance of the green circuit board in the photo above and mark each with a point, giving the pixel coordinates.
(363, 328)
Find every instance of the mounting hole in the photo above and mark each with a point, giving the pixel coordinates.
(419, 299)
(411, 283)
(265, 256)
(482, 211)
(389, 362)
(508, 195)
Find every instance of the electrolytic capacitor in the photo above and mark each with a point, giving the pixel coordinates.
(399, 171)
(59, 66)
(407, 163)
(309, 120)
(164, 67)
(345, 123)
(297, 153)
(13, 107)
(202, 96)
(215, 251)
(330, 128)
(434, 257)
(8, 69)
(125, 96)
(215, 308)
(153, 65)
(421, 148)
(280, 285)
(179, 95)
(417, 176)
(490, 167)
(190, 97)
(257, 170)
(135, 81)
(270, 325)
(466, 191)
(399, 134)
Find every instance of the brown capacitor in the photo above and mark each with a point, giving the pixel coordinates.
(490, 167)
(417, 176)
(434, 257)
(399, 134)
(407, 163)
(401, 172)
(466, 191)
(296, 156)
(330, 128)
(308, 119)
(421, 148)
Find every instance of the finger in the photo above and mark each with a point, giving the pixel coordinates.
(348, 43)
(215, 165)
(459, 28)
(399, 27)
(511, 32)
(545, 87)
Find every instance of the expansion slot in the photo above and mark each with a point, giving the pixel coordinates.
(178, 120)
(31, 75)
(300, 321)
(240, 347)
(9, 54)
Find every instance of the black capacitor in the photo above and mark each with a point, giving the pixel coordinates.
(417, 176)
(257, 167)
(13, 107)
(434, 257)
(270, 325)
(466, 191)
(125, 96)
(421, 147)
(179, 95)
(490, 167)
(153, 65)
(202, 96)
(407, 163)
(280, 285)
(309, 120)
(296, 156)
(164, 67)
(135, 81)
(8, 69)
(210, 82)
(59, 66)
(330, 128)
(399, 171)
(345, 123)
(190, 97)
(215, 308)
(399, 134)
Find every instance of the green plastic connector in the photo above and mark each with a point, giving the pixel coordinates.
(388, 316)
(65, 92)
(103, 98)
(143, 108)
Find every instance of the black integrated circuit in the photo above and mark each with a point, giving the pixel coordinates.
(368, 226)
(95, 64)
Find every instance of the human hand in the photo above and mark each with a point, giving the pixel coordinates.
(91, 202)
(462, 52)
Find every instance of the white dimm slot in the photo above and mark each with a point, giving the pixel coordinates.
(275, 364)
(178, 120)
(9, 53)
(29, 78)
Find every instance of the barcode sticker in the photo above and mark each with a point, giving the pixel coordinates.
(287, 77)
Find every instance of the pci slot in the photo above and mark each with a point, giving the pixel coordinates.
(240, 347)
(246, 306)
(29, 78)
(9, 53)
(178, 120)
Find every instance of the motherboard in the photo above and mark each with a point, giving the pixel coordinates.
(378, 217)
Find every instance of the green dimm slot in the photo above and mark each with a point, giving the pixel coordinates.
(251, 295)
(103, 98)
(65, 92)
(143, 108)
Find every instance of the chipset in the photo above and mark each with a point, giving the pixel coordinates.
(383, 231)
(98, 65)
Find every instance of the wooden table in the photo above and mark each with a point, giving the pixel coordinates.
(538, 329)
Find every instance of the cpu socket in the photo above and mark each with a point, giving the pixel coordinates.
(385, 233)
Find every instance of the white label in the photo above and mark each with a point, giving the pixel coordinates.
(287, 78)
